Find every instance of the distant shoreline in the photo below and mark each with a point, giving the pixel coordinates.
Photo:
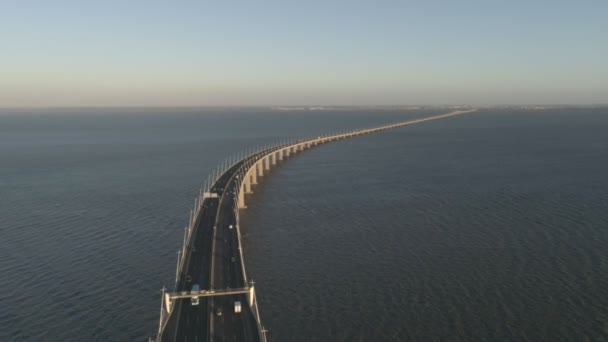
(310, 108)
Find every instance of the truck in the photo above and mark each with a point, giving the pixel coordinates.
(195, 289)
(237, 307)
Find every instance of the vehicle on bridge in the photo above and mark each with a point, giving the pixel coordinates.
(237, 307)
(195, 289)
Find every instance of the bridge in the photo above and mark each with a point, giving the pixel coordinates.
(211, 255)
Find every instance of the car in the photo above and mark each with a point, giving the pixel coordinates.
(230, 226)
(195, 289)
(218, 311)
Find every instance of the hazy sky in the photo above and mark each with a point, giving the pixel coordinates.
(117, 53)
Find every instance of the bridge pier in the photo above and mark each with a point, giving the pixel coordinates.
(274, 158)
(242, 200)
(280, 154)
(247, 184)
(254, 175)
(260, 167)
(267, 163)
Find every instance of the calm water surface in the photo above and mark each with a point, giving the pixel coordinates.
(490, 226)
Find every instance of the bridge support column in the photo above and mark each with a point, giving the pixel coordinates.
(260, 167)
(280, 154)
(247, 184)
(242, 200)
(254, 175)
(274, 158)
(288, 151)
(267, 163)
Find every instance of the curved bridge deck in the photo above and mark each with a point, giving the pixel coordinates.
(211, 254)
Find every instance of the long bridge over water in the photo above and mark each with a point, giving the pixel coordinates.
(211, 255)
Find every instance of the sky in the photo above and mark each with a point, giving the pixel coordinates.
(315, 52)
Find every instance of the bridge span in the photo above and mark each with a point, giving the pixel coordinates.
(211, 255)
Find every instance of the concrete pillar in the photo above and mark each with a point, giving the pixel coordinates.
(288, 151)
(254, 175)
(267, 162)
(274, 158)
(280, 154)
(260, 167)
(247, 184)
(242, 200)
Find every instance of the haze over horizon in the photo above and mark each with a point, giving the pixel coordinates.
(287, 53)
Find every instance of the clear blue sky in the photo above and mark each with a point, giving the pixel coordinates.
(117, 53)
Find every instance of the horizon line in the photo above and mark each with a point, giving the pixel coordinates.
(306, 106)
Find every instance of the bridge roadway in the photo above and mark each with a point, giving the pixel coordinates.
(212, 260)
